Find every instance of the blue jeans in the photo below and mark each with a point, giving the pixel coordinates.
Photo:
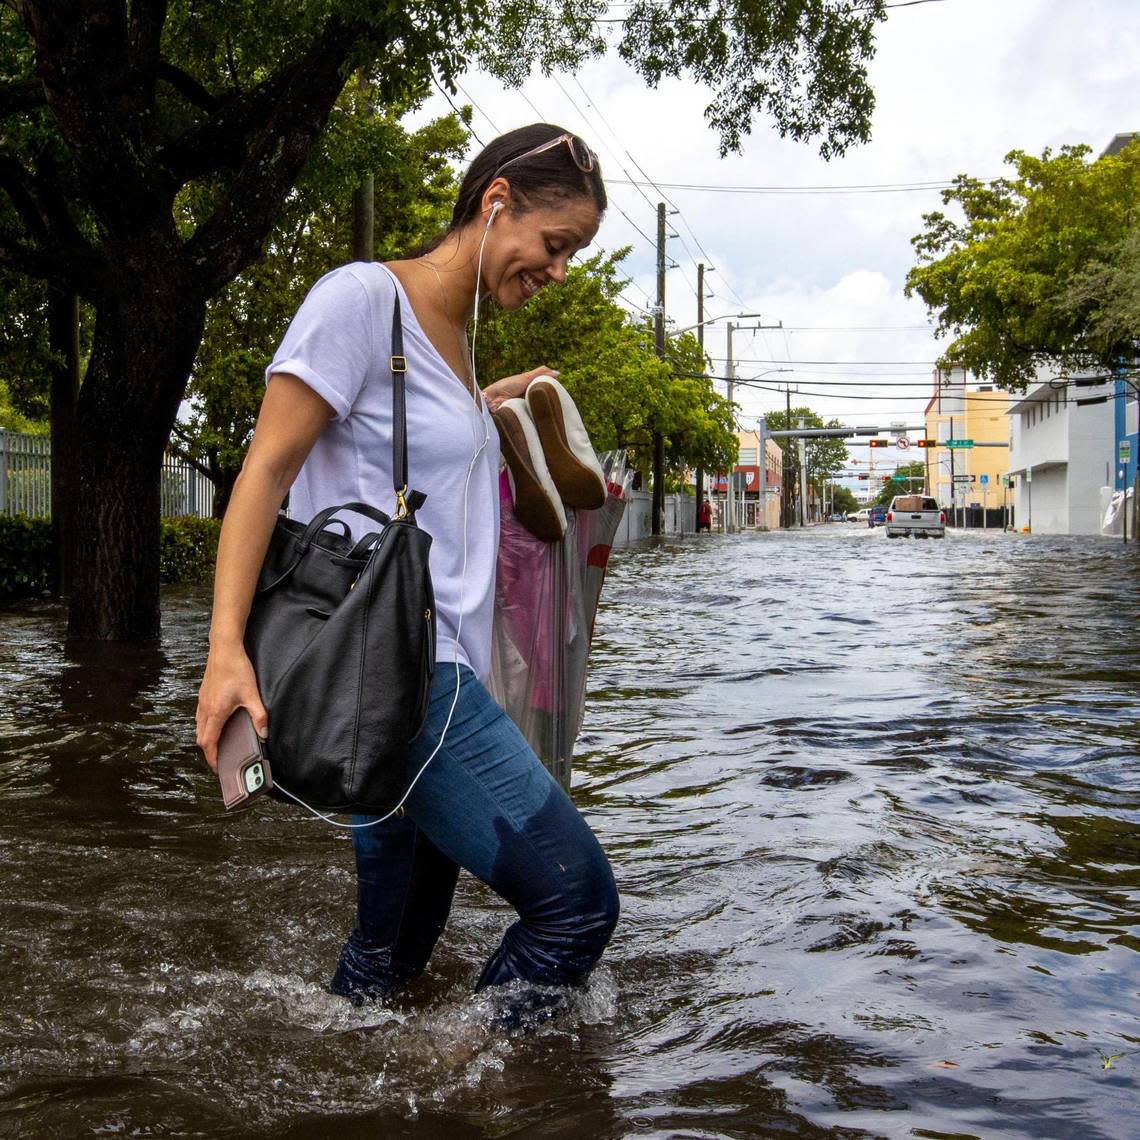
(486, 803)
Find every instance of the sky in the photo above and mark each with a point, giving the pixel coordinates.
(958, 84)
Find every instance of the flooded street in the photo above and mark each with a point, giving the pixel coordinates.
(874, 811)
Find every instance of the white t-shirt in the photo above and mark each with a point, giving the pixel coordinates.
(339, 344)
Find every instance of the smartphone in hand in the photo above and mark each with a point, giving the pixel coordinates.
(243, 767)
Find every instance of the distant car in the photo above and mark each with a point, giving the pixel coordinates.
(858, 516)
(837, 517)
(915, 516)
(877, 516)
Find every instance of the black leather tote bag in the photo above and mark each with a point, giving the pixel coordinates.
(341, 633)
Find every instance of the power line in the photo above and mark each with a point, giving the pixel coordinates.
(857, 328)
(853, 188)
(592, 103)
(459, 114)
(581, 114)
(967, 397)
(843, 363)
(467, 96)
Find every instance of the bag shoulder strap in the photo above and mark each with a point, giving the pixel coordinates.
(406, 501)
(398, 364)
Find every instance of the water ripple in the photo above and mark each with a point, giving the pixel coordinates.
(873, 808)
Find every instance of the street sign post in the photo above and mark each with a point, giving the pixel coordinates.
(983, 479)
(1125, 449)
(963, 478)
(959, 443)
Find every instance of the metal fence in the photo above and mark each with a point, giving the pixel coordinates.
(185, 490)
(25, 474)
(25, 480)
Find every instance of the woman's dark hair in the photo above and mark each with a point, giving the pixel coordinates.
(538, 179)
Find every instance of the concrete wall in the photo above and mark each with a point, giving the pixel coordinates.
(1043, 505)
(637, 522)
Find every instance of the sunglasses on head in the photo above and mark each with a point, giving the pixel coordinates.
(584, 158)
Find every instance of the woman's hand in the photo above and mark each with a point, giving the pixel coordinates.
(228, 684)
(513, 387)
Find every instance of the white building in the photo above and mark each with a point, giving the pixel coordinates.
(1060, 455)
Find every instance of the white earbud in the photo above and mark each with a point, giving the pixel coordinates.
(495, 208)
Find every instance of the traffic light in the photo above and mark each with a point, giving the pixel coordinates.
(924, 443)
(878, 443)
(864, 476)
(885, 478)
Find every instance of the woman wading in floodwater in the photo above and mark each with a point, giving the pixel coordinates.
(530, 201)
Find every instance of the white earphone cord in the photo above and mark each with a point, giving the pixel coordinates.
(479, 448)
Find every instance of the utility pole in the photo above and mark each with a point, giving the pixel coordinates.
(701, 342)
(730, 377)
(803, 473)
(730, 497)
(659, 345)
(786, 519)
(953, 485)
(762, 437)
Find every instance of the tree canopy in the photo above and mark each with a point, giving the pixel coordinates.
(915, 473)
(843, 499)
(149, 148)
(1044, 268)
(313, 234)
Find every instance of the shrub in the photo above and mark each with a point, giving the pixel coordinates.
(27, 556)
(189, 547)
(27, 553)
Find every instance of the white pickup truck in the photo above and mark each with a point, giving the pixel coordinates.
(915, 515)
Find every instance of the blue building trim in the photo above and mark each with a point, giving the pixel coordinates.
(1124, 474)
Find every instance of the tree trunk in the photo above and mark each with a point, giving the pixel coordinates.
(146, 334)
(223, 489)
(63, 336)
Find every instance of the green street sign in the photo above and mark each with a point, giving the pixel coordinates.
(899, 478)
(959, 443)
(1125, 449)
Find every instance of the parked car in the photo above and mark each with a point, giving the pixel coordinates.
(837, 517)
(877, 516)
(916, 515)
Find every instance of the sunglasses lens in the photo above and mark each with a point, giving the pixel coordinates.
(581, 153)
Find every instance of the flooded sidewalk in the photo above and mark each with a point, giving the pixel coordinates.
(874, 812)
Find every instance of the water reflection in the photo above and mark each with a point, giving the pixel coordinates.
(874, 812)
(107, 681)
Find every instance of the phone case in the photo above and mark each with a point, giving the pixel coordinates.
(243, 766)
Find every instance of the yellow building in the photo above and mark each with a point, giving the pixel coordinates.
(962, 408)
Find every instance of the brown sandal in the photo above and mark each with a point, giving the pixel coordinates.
(537, 505)
(569, 454)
